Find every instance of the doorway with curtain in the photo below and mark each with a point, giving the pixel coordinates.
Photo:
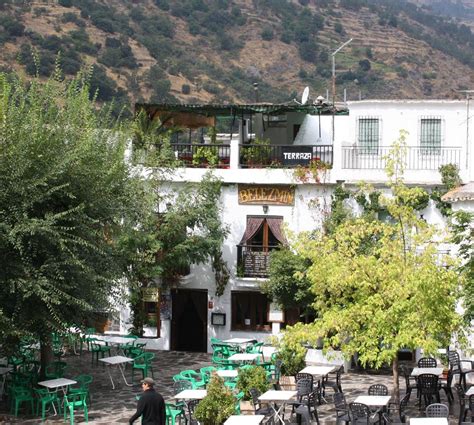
(189, 320)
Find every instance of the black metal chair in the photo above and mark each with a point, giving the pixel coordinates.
(192, 404)
(304, 387)
(342, 410)
(257, 405)
(455, 364)
(333, 381)
(446, 386)
(428, 388)
(396, 411)
(410, 381)
(427, 362)
(308, 409)
(360, 414)
(463, 406)
(437, 410)
(378, 389)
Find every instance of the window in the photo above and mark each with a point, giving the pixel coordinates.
(249, 311)
(430, 136)
(369, 135)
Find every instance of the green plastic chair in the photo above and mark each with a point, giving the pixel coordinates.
(19, 396)
(256, 349)
(125, 347)
(99, 349)
(177, 378)
(238, 398)
(172, 412)
(45, 399)
(194, 377)
(73, 402)
(83, 382)
(143, 363)
(55, 370)
(206, 373)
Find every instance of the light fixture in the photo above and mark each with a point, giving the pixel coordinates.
(265, 209)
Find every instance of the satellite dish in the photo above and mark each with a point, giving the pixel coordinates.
(305, 95)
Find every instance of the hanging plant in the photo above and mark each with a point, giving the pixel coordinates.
(221, 273)
(311, 172)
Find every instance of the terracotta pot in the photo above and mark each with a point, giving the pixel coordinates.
(246, 407)
(287, 383)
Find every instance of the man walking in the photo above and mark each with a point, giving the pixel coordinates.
(151, 406)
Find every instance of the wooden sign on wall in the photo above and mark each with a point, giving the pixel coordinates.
(266, 194)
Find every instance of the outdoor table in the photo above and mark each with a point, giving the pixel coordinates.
(191, 395)
(244, 357)
(4, 371)
(422, 370)
(318, 370)
(273, 397)
(377, 401)
(240, 343)
(116, 341)
(470, 391)
(227, 373)
(118, 361)
(54, 384)
(244, 420)
(428, 421)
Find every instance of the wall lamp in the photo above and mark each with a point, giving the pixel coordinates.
(265, 209)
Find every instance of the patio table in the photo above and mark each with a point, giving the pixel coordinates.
(470, 391)
(318, 370)
(54, 384)
(422, 370)
(116, 341)
(190, 395)
(118, 361)
(379, 402)
(428, 421)
(244, 420)
(244, 357)
(227, 373)
(239, 341)
(273, 397)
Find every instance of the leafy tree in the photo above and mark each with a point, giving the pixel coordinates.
(66, 195)
(380, 287)
(287, 284)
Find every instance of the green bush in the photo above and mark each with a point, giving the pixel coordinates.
(252, 377)
(217, 406)
(292, 360)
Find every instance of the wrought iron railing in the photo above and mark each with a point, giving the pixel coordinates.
(202, 155)
(282, 156)
(416, 157)
(253, 260)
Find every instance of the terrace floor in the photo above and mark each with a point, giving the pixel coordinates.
(117, 406)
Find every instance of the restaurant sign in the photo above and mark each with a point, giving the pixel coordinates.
(151, 295)
(266, 194)
(296, 155)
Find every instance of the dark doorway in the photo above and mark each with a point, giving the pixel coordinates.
(189, 320)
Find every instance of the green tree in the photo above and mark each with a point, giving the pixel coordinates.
(65, 194)
(380, 287)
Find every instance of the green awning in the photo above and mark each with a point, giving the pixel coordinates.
(243, 109)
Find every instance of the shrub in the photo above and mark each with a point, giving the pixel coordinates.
(267, 34)
(339, 28)
(292, 360)
(252, 377)
(185, 89)
(217, 406)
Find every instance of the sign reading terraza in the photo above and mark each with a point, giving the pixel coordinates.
(266, 194)
(297, 155)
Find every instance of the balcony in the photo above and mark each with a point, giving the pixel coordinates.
(202, 155)
(284, 156)
(253, 261)
(415, 158)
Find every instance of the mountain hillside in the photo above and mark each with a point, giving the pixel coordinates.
(215, 50)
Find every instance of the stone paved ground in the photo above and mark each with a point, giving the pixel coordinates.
(116, 406)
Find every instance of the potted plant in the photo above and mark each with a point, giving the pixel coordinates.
(252, 377)
(217, 406)
(257, 154)
(292, 362)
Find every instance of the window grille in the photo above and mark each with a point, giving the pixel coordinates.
(430, 135)
(369, 135)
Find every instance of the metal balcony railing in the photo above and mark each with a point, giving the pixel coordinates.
(202, 155)
(416, 157)
(283, 156)
(253, 260)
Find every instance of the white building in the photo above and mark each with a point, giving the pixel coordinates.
(258, 196)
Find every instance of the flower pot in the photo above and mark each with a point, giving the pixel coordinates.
(287, 383)
(246, 407)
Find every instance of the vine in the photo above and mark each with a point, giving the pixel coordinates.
(450, 179)
(221, 273)
(311, 172)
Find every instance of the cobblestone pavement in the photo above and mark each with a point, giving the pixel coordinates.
(116, 406)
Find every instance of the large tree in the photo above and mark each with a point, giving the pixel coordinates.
(381, 286)
(66, 193)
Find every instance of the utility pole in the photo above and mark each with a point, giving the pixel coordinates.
(333, 55)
